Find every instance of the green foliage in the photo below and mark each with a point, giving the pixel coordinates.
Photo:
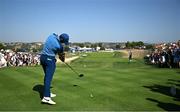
(102, 48)
(34, 50)
(9, 47)
(149, 46)
(66, 48)
(118, 46)
(100, 45)
(79, 44)
(1, 46)
(94, 45)
(134, 44)
(87, 46)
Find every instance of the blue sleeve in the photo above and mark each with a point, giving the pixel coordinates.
(59, 47)
(61, 50)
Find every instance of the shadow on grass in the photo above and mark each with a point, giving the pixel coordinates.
(172, 90)
(165, 106)
(172, 80)
(175, 83)
(166, 90)
(39, 88)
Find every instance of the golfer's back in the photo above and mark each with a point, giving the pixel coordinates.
(52, 46)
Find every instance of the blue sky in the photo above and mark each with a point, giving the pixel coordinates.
(90, 20)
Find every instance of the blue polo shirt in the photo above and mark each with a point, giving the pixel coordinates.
(52, 46)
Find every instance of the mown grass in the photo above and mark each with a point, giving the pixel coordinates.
(114, 83)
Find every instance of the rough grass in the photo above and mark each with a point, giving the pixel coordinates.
(114, 83)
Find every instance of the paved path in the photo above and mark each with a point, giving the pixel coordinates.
(68, 60)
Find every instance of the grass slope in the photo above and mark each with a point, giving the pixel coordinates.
(114, 83)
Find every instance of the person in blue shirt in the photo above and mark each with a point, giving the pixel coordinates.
(52, 47)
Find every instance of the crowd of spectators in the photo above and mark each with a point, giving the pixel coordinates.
(166, 55)
(10, 58)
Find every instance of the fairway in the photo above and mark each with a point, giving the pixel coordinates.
(110, 84)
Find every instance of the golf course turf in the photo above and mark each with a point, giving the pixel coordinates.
(110, 83)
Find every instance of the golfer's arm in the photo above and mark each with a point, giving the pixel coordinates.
(60, 51)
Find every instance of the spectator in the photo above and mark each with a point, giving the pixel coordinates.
(166, 56)
(20, 59)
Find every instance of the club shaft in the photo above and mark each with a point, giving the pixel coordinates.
(72, 68)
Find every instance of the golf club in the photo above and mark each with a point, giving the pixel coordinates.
(80, 75)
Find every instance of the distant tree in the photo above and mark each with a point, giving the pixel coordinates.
(100, 44)
(35, 50)
(140, 43)
(40, 48)
(1, 46)
(9, 47)
(21, 50)
(81, 45)
(87, 46)
(134, 44)
(66, 48)
(18, 50)
(94, 45)
(25, 47)
(128, 44)
(149, 46)
(118, 46)
(102, 48)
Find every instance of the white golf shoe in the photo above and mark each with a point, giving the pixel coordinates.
(48, 100)
(52, 95)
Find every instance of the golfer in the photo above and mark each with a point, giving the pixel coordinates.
(130, 56)
(52, 46)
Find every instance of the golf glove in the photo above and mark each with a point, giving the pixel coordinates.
(62, 57)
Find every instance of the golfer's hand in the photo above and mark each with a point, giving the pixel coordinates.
(62, 57)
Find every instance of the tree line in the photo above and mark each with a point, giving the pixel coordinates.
(25, 47)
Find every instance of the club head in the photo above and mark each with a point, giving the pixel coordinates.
(81, 75)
